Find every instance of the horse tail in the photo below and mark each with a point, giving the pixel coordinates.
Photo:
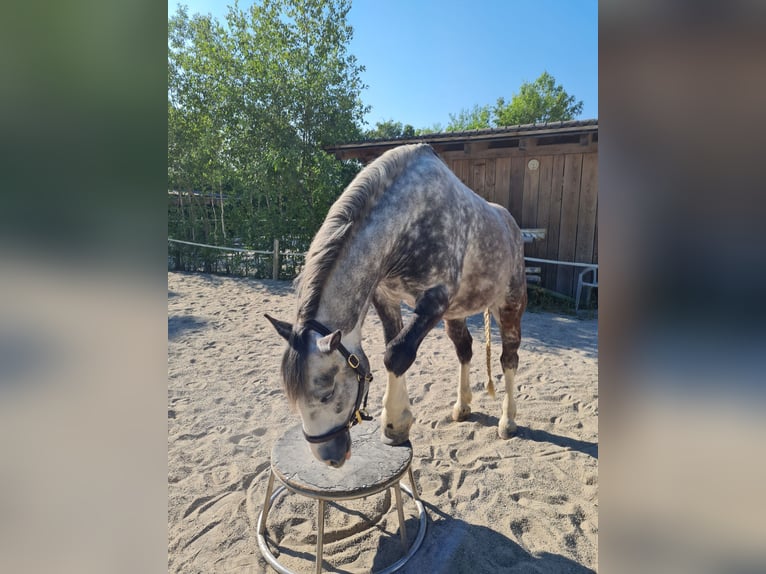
(488, 342)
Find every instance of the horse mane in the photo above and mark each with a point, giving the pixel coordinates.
(349, 209)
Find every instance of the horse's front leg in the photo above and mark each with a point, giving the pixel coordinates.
(401, 349)
(397, 415)
(429, 308)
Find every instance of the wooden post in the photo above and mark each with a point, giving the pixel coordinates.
(275, 273)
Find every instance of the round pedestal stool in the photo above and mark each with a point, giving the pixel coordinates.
(372, 468)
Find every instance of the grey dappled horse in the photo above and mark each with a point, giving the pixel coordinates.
(405, 229)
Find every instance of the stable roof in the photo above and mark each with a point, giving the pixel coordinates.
(571, 131)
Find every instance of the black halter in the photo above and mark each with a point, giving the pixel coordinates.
(363, 377)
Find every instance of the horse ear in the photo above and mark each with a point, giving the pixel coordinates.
(329, 343)
(283, 327)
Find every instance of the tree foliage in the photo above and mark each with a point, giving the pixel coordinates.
(390, 129)
(434, 128)
(476, 118)
(250, 106)
(537, 102)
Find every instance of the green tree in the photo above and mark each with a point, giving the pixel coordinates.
(389, 129)
(432, 129)
(301, 90)
(476, 118)
(195, 127)
(250, 107)
(536, 102)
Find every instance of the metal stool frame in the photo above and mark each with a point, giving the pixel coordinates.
(394, 483)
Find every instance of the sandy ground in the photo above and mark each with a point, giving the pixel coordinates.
(528, 504)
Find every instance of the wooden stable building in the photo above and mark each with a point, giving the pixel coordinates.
(546, 175)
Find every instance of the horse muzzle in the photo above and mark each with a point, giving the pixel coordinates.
(334, 452)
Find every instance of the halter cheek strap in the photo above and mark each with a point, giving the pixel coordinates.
(363, 377)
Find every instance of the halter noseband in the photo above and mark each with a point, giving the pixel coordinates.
(359, 413)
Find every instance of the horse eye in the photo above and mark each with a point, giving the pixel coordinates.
(326, 399)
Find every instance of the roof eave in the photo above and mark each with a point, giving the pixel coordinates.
(527, 130)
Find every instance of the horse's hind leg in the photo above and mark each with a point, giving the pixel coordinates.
(461, 338)
(509, 316)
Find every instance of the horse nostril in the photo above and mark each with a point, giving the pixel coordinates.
(336, 463)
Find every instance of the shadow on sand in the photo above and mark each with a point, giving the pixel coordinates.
(451, 546)
(454, 546)
(546, 330)
(177, 324)
(537, 435)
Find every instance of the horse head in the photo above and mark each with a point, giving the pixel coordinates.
(326, 384)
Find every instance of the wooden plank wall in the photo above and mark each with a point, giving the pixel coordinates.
(561, 196)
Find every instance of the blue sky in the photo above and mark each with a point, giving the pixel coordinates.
(425, 59)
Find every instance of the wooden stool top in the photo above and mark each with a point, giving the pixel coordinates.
(372, 467)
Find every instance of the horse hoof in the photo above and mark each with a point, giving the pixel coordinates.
(506, 430)
(393, 438)
(460, 413)
(396, 432)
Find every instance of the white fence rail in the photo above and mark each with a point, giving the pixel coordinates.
(275, 253)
